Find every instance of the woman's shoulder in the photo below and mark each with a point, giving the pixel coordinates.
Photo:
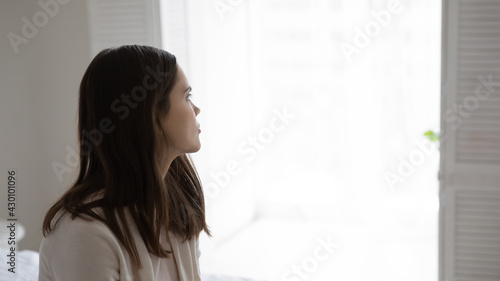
(71, 233)
(67, 226)
(76, 245)
(65, 221)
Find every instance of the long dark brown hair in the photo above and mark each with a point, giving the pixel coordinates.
(118, 147)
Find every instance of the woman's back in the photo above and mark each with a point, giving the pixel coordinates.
(88, 250)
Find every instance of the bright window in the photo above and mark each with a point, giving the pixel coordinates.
(307, 108)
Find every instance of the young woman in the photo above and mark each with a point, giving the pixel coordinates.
(137, 207)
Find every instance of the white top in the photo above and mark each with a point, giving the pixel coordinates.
(82, 250)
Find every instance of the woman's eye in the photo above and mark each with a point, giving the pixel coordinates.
(189, 96)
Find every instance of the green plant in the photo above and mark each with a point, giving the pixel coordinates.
(433, 137)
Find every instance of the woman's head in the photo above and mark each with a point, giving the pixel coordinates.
(136, 121)
(122, 85)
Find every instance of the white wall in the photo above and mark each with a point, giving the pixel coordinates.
(38, 106)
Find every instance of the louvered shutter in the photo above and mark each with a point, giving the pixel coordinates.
(120, 22)
(470, 142)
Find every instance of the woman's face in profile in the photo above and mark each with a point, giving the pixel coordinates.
(180, 125)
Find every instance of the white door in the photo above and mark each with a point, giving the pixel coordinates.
(470, 142)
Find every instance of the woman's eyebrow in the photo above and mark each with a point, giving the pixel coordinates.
(188, 89)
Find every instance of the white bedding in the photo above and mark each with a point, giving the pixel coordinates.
(27, 268)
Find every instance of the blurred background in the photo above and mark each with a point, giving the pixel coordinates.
(358, 103)
(314, 161)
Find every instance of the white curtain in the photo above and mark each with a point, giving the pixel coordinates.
(312, 110)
